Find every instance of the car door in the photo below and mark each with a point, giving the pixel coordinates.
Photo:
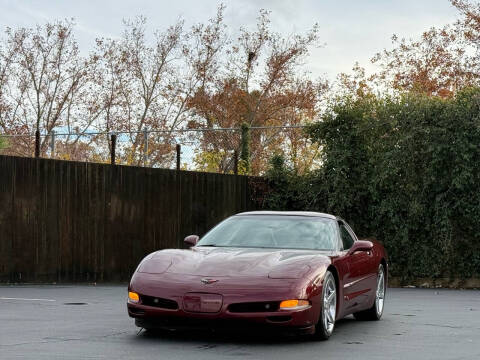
(357, 285)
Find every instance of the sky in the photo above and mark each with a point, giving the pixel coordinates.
(352, 30)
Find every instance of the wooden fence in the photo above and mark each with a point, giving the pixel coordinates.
(63, 221)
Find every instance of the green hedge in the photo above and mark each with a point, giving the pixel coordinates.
(403, 169)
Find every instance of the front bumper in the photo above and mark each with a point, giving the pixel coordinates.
(232, 325)
(233, 291)
(301, 321)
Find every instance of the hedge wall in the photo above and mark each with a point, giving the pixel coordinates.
(404, 169)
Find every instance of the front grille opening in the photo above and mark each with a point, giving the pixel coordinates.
(279, 319)
(267, 306)
(159, 302)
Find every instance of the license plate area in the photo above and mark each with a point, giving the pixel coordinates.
(202, 302)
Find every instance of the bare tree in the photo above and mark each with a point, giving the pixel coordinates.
(146, 85)
(46, 75)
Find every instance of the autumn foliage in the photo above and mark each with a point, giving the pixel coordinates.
(177, 79)
(204, 77)
(441, 62)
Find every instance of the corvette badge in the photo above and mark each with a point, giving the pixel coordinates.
(206, 281)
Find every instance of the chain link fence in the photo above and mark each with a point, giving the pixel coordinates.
(218, 150)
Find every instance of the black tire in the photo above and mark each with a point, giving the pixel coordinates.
(324, 327)
(376, 311)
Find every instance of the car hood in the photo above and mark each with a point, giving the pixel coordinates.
(236, 262)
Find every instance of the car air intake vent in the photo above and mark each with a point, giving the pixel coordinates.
(136, 311)
(159, 302)
(254, 307)
(279, 319)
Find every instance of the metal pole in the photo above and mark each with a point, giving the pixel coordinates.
(37, 143)
(145, 147)
(235, 162)
(52, 144)
(113, 138)
(178, 156)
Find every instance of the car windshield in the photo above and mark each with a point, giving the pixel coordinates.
(273, 231)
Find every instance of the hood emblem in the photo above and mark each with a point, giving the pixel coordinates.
(206, 281)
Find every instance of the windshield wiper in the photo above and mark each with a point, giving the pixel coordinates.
(210, 245)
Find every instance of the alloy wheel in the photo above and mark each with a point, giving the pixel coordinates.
(380, 293)
(329, 304)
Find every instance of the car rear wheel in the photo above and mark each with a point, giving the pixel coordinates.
(326, 323)
(376, 311)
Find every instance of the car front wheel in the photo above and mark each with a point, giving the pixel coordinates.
(326, 323)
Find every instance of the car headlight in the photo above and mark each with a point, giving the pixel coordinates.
(154, 266)
(290, 271)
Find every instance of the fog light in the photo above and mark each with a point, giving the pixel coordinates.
(294, 304)
(133, 297)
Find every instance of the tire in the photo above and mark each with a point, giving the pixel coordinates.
(376, 311)
(328, 313)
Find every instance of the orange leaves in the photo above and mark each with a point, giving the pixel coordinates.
(436, 64)
(261, 88)
(442, 61)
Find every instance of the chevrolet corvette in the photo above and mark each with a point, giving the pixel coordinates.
(295, 271)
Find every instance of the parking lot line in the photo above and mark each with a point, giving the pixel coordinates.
(24, 299)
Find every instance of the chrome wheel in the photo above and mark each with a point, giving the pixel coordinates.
(380, 293)
(329, 303)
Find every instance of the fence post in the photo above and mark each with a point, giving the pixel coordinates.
(113, 138)
(235, 162)
(37, 143)
(52, 144)
(178, 156)
(145, 147)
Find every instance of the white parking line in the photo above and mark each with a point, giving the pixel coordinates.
(23, 299)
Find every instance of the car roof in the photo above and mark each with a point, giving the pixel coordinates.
(291, 213)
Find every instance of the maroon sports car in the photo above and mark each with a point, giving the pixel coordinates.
(297, 271)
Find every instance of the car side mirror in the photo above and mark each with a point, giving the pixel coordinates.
(191, 240)
(360, 245)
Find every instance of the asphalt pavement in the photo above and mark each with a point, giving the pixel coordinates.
(91, 322)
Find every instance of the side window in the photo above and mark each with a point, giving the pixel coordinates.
(347, 239)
